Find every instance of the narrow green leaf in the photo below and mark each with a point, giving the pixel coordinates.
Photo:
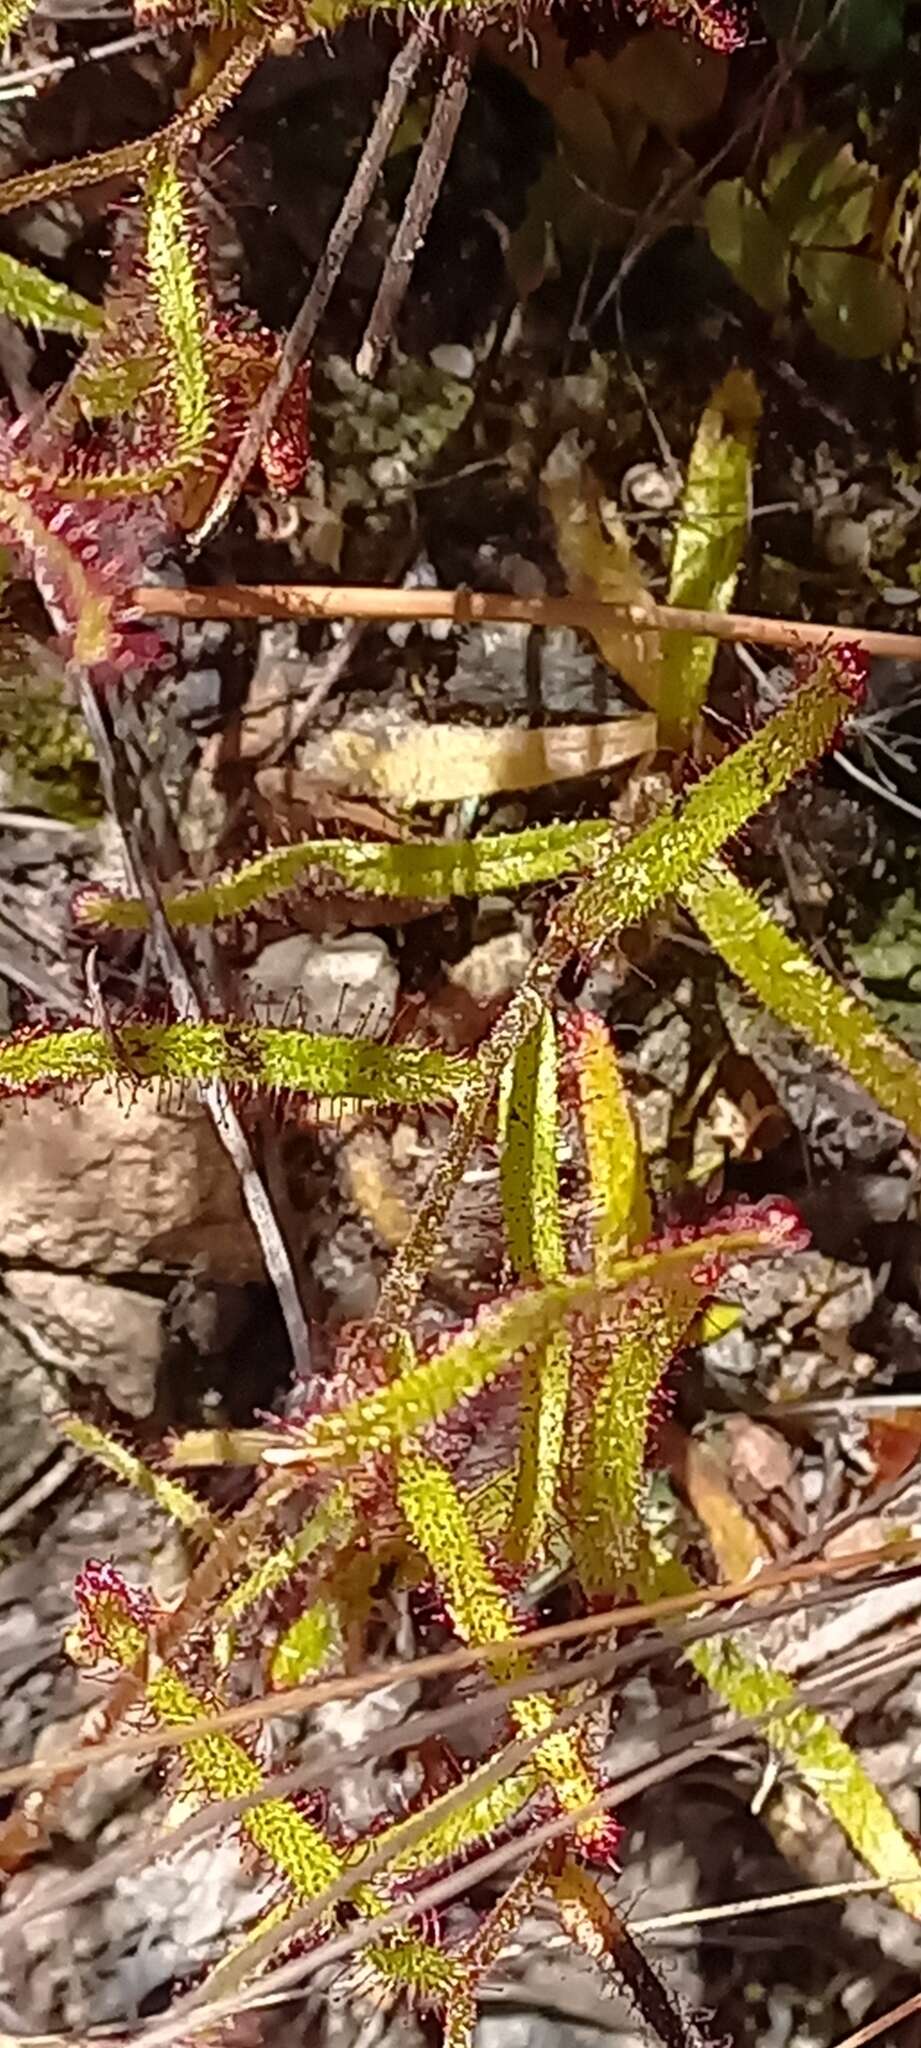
(799, 1735)
(529, 1181)
(247, 1056)
(620, 1210)
(329, 1527)
(670, 850)
(708, 545)
(422, 870)
(823, 1760)
(13, 15)
(380, 1422)
(35, 300)
(308, 1645)
(607, 1440)
(182, 305)
(455, 1829)
(176, 1500)
(528, 1165)
(800, 992)
(482, 1612)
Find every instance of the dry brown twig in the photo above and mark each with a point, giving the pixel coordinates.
(876, 2028)
(300, 334)
(313, 601)
(428, 177)
(466, 1657)
(599, 1666)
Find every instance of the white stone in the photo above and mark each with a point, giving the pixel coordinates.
(493, 968)
(454, 359)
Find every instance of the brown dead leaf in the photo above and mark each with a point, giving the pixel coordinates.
(674, 84)
(373, 1187)
(760, 1459)
(894, 1443)
(738, 1547)
(600, 563)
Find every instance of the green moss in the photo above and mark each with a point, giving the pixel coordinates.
(889, 961)
(45, 752)
(385, 437)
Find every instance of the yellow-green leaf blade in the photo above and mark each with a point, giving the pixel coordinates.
(799, 991)
(619, 1199)
(176, 1500)
(823, 1760)
(428, 871)
(624, 1370)
(261, 1057)
(669, 851)
(529, 1182)
(35, 300)
(387, 1419)
(708, 544)
(182, 306)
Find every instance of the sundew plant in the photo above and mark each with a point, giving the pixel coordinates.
(512, 1453)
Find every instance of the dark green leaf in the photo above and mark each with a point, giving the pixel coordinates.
(855, 306)
(745, 238)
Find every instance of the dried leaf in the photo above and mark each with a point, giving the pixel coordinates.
(432, 764)
(599, 563)
(675, 83)
(737, 1545)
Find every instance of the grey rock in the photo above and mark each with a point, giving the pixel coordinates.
(348, 986)
(491, 670)
(107, 1336)
(839, 1121)
(28, 1399)
(104, 1185)
(494, 968)
(199, 693)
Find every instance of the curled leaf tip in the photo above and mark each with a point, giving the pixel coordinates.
(847, 668)
(109, 1608)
